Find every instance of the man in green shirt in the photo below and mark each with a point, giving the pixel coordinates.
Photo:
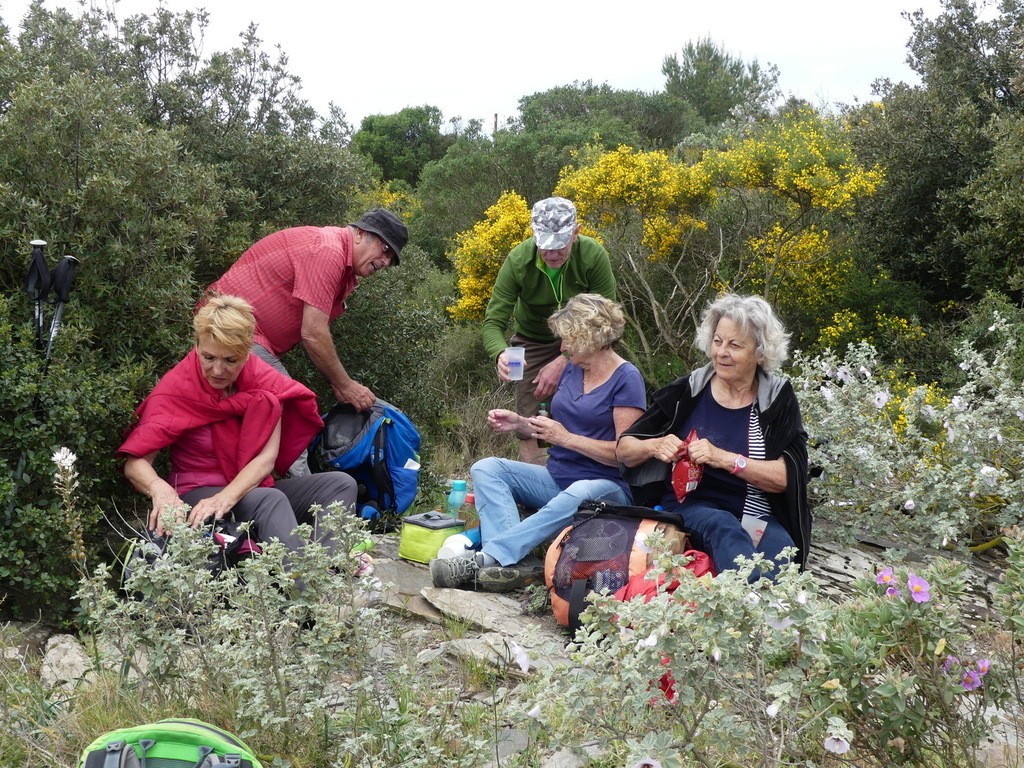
(538, 277)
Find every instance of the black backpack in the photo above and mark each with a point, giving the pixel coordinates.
(234, 544)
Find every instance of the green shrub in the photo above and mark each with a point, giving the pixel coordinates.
(78, 403)
(910, 459)
(767, 674)
(297, 674)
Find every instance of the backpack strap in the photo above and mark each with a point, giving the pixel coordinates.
(577, 602)
(112, 754)
(386, 500)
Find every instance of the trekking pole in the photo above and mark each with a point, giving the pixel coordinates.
(63, 275)
(38, 282)
(37, 285)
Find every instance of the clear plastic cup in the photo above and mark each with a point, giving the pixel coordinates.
(516, 359)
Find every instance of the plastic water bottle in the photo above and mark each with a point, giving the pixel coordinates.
(456, 497)
(543, 411)
(458, 545)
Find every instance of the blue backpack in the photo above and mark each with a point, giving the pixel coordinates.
(379, 448)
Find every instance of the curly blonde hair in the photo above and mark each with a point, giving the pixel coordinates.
(588, 322)
(227, 320)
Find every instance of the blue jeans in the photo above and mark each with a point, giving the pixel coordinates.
(720, 534)
(500, 484)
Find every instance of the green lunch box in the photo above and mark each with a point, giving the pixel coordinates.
(423, 535)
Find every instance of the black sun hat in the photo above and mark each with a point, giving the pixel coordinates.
(388, 227)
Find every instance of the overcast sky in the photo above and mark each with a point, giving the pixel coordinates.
(476, 59)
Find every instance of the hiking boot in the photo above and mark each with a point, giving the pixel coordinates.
(507, 578)
(451, 572)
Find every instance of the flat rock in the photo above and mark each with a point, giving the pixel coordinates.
(494, 613)
(65, 662)
(504, 652)
(509, 741)
(403, 582)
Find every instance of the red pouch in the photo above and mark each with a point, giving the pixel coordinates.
(685, 474)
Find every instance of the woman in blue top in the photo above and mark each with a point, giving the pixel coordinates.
(598, 397)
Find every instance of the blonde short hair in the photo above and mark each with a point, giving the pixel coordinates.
(754, 317)
(227, 320)
(588, 322)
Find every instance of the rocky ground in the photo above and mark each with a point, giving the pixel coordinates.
(501, 623)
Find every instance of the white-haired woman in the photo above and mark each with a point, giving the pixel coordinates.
(751, 441)
(598, 396)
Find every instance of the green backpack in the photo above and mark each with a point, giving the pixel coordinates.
(180, 743)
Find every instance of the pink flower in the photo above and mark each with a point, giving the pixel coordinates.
(837, 745)
(950, 661)
(884, 576)
(891, 592)
(983, 666)
(971, 680)
(918, 588)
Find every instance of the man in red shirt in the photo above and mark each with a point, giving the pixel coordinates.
(297, 281)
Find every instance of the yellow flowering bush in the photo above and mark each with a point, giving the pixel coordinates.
(805, 169)
(891, 333)
(617, 188)
(803, 157)
(480, 252)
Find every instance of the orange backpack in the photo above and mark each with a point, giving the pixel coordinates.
(605, 546)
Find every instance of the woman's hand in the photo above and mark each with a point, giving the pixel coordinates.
(502, 420)
(550, 431)
(217, 506)
(668, 449)
(704, 452)
(165, 499)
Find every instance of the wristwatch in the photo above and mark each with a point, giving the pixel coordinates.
(739, 464)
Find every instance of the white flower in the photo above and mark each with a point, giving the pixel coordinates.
(802, 597)
(752, 598)
(773, 709)
(958, 403)
(909, 504)
(716, 653)
(520, 657)
(865, 372)
(991, 327)
(535, 712)
(837, 745)
(827, 393)
(648, 642)
(965, 366)
(778, 622)
(640, 542)
(64, 459)
(990, 474)
(647, 762)
(881, 398)
(844, 374)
